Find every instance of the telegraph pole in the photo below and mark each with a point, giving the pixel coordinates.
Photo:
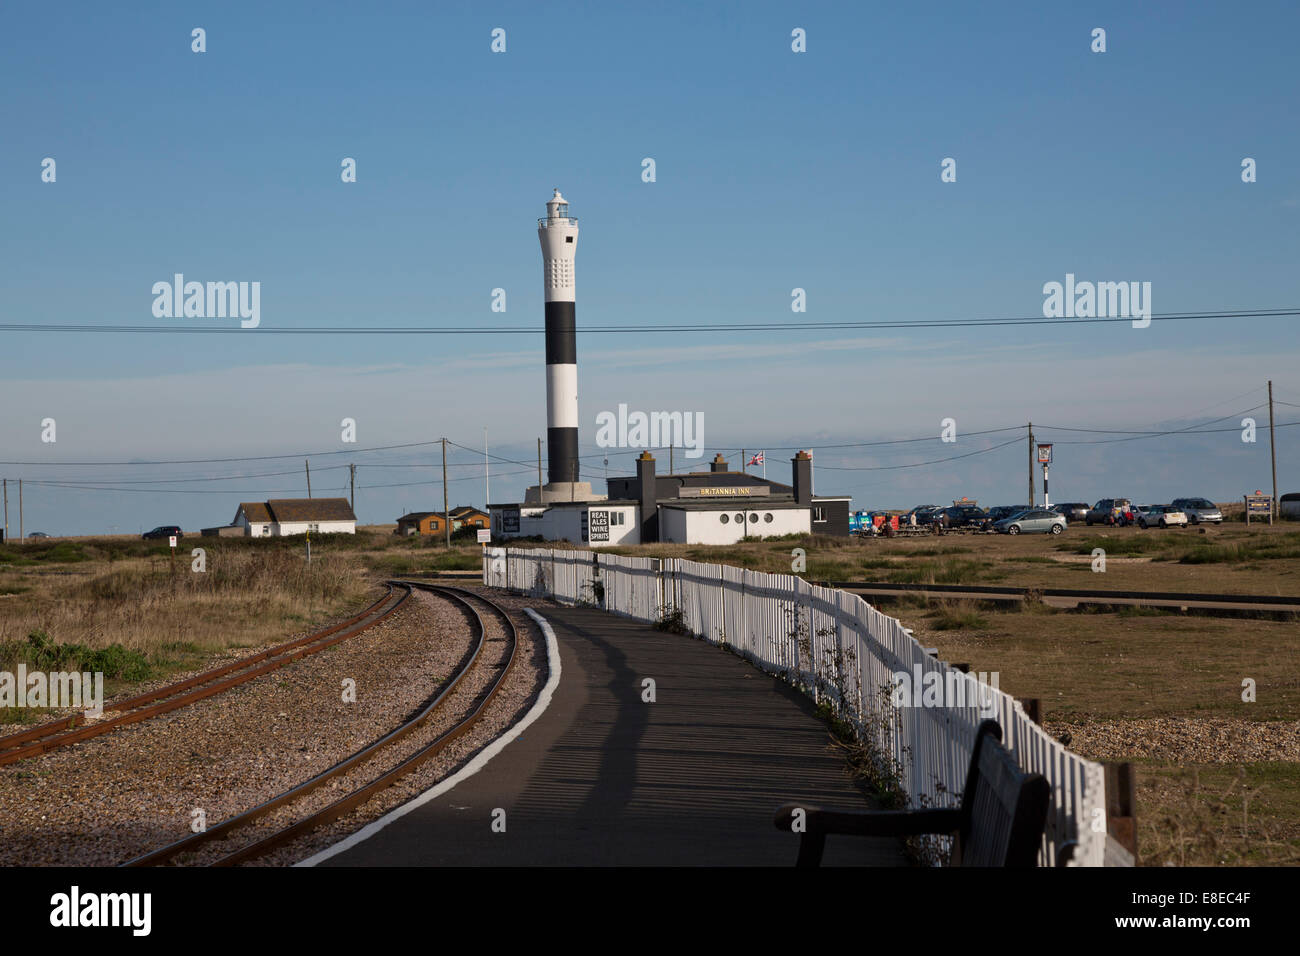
(487, 473)
(22, 537)
(352, 480)
(6, 484)
(1031, 464)
(446, 511)
(308, 466)
(1272, 451)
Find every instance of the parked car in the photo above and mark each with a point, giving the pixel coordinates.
(960, 516)
(38, 534)
(1198, 510)
(163, 531)
(920, 516)
(1033, 521)
(1109, 511)
(1162, 516)
(1072, 510)
(998, 512)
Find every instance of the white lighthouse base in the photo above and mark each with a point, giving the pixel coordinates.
(557, 491)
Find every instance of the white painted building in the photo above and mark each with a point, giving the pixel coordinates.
(717, 506)
(594, 523)
(255, 518)
(692, 523)
(288, 516)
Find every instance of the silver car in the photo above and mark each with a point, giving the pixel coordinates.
(1198, 510)
(1032, 522)
(1162, 516)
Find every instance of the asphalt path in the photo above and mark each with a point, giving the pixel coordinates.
(607, 778)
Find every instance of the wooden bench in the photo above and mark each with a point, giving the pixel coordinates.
(999, 823)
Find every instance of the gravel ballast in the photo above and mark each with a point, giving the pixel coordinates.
(111, 798)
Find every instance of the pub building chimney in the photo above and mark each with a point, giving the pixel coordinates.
(649, 509)
(801, 466)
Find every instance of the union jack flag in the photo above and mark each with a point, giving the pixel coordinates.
(756, 459)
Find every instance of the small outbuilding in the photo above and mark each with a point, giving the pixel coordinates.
(434, 522)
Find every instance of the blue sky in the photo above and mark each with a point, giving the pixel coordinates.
(775, 170)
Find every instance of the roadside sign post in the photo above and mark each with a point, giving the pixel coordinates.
(1258, 504)
(1045, 458)
(171, 540)
(484, 536)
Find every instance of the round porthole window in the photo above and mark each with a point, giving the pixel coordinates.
(724, 518)
(768, 517)
(753, 518)
(740, 519)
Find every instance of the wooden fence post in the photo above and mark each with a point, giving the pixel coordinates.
(1121, 805)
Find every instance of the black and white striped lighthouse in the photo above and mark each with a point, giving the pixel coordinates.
(558, 232)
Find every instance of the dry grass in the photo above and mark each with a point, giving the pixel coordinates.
(170, 612)
(1227, 559)
(1242, 815)
(1128, 664)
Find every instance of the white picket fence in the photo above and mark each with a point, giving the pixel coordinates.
(840, 649)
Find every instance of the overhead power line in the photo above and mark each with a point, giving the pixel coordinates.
(918, 464)
(215, 461)
(785, 325)
(254, 492)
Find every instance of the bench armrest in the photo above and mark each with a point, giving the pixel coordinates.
(881, 823)
(871, 822)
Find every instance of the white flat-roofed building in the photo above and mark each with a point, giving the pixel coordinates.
(717, 506)
(714, 523)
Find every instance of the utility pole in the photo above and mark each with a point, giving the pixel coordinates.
(22, 537)
(446, 511)
(1272, 451)
(1031, 464)
(487, 473)
(308, 465)
(539, 469)
(6, 483)
(352, 481)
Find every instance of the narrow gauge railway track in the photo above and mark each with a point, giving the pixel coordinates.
(65, 731)
(1260, 604)
(475, 606)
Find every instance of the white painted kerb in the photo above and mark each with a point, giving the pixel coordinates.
(474, 766)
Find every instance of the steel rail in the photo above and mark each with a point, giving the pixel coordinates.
(70, 723)
(247, 669)
(1084, 595)
(349, 802)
